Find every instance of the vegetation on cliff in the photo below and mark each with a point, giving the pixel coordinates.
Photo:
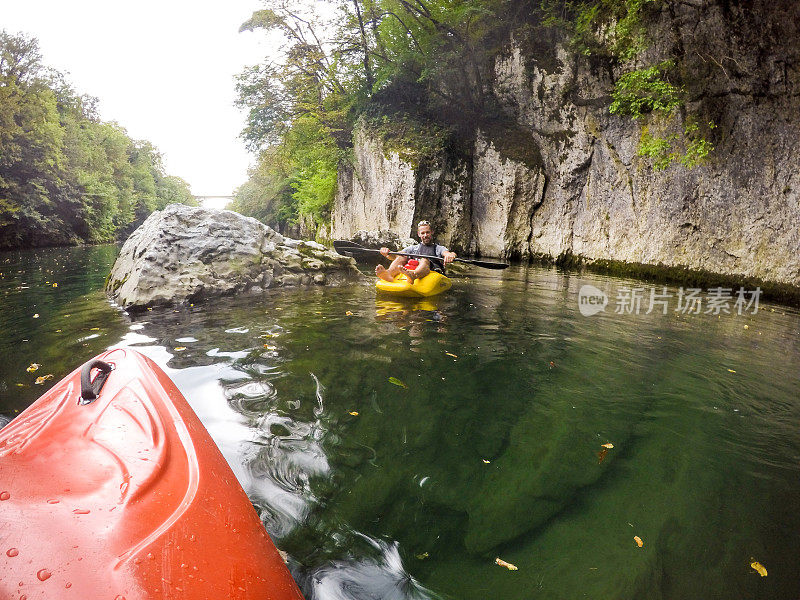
(66, 176)
(428, 62)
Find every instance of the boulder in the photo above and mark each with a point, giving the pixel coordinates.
(185, 254)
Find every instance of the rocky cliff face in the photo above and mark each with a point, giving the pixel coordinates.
(566, 177)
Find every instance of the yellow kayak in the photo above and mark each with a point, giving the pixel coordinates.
(433, 283)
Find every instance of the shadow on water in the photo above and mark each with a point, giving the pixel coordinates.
(395, 448)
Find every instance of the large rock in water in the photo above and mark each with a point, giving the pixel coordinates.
(185, 254)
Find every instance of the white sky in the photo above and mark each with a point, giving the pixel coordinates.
(164, 70)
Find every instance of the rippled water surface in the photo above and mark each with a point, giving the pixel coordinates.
(488, 441)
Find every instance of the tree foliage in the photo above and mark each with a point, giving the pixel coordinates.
(429, 55)
(432, 60)
(646, 90)
(65, 176)
(653, 93)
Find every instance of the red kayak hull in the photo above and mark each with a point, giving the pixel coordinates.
(127, 498)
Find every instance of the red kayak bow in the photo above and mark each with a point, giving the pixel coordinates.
(112, 488)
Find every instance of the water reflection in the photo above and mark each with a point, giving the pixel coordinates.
(364, 578)
(289, 458)
(492, 447)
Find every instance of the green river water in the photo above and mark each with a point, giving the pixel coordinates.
(492, 445)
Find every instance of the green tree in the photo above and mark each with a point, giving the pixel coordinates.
(66, 176)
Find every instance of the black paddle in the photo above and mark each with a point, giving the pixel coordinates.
(348, 248)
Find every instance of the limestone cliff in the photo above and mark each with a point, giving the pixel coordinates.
(565, 177)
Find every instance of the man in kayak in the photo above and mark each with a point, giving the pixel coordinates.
(417, 268)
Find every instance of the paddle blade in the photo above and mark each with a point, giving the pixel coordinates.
(484, 263)
(488, 265)
(348, 248)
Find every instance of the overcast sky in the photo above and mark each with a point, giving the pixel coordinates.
(163, 69)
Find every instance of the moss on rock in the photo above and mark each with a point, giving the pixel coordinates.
(677, 275)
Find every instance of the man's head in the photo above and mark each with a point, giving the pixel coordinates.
(425, 232)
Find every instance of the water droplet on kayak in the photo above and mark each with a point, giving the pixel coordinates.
(120, 597)
(12, 552)
(150, 555)
(53, 501)
(43, 575)
(81, 511)
(4, 495)
(68, 585)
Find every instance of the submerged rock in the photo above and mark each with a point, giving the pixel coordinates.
(185, 254)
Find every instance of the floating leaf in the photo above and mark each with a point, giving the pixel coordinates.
(423, 556)
(354, 413)
(95, 329)
(505, 564)
(451, 354)
(609, 445)
(601, 455)
(486, 461)
(36, 316)
(349, 313)
(180, 348)
(33, 367)
(43, 378)
(638, 541)
(55, 285)
(759, 568)
(731, 371)
(552, 364)
(397, 382)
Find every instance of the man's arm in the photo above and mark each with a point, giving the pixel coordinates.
(388, 253)
(445, 254)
